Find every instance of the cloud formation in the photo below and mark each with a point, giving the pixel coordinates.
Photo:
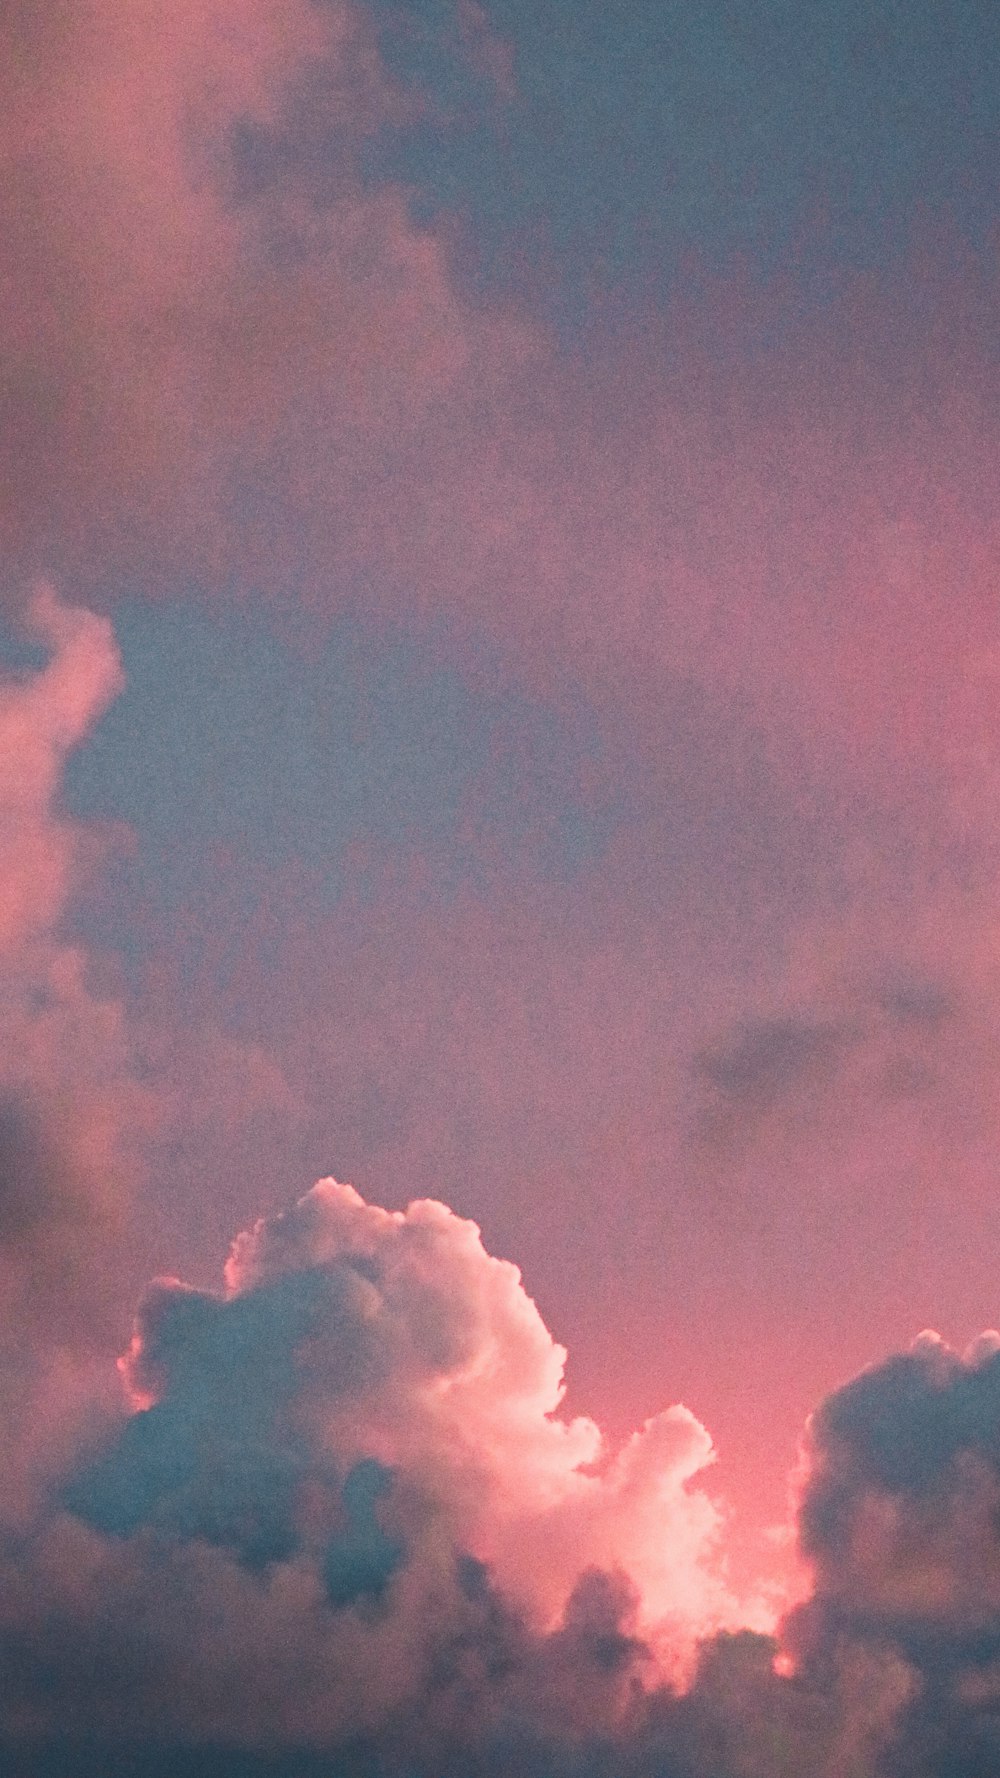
(345, 1507)
(344, 1520)
(345, 1504)
(71, 1110)
(43, 716)
(899, 1512)
(899, 1520)
(203, 278)
(349, 1335)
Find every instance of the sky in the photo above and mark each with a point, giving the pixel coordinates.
(498, 717)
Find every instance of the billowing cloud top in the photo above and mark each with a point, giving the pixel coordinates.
(900, 1511)
(352, 1335)
(343, 1513)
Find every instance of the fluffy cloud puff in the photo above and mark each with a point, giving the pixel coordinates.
(900, 1518)
(349, 1335)
(344, 1505)
(899, 1513)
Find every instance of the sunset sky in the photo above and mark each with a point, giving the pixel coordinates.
(499, 616)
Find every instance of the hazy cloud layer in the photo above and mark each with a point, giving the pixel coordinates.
(238, 362)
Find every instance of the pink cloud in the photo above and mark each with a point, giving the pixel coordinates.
(354, 1465)
(72, 1114)
(42, 718)
(150, 319)
(458, 1383)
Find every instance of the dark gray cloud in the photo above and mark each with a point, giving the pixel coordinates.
(34, 1177)
(917, 1000)
(882, 1041)
(223, 1454)
(762, 1058)
(900, 1518)
(906, 1432)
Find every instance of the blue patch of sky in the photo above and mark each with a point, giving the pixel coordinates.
(21, 655)
(226, 736)
(245, 768)
(795, 133)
